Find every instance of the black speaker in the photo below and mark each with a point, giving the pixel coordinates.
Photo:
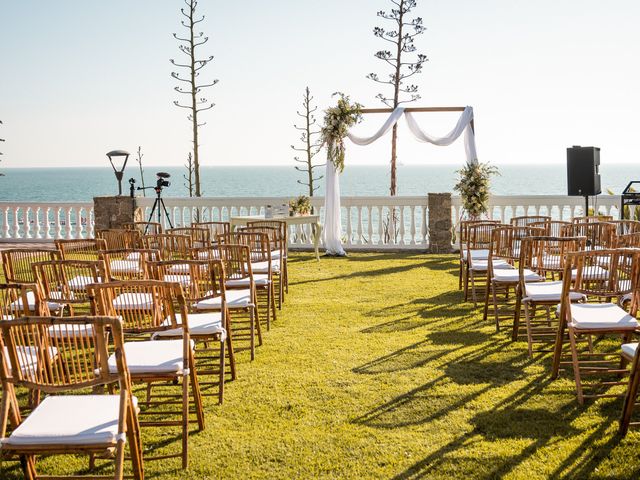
(583, 171)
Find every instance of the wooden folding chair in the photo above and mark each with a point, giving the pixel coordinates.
(631, 354)
(120, 238)
(215, 228)
(527, 220)
(478, 245)
(204, 285)
(200, 236)
(81, 249)
(604, 276)
(599, 235)
(592, 218)
(129, 264)
(551, 227)
(236, 259)
(147, 308)
(463, 238)
(64, 283)
(260, 252)
(16, 263)
(626, 227)
(546, 257)
(502, 275)
(280, 246)
(145, 228)
(73, 419)
(171, 246)
(628, 240)
(278, 252)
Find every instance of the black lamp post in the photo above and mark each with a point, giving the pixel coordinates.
(119, 173)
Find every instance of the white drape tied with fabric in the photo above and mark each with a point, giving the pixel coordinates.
(332, 235)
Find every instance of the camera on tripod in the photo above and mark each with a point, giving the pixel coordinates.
(162, 182)
(158, 206)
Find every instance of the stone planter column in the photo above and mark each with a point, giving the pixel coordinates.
(114, 212)
(439, 222)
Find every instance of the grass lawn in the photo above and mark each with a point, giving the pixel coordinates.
(375, 369)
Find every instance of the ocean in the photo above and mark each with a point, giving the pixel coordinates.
(82, 184)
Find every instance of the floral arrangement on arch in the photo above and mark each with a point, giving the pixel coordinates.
(473, 187)
(337, 121)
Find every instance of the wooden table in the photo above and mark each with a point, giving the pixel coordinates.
(313, 220)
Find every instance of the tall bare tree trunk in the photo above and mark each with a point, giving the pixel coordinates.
(396, 99)
(194, 106)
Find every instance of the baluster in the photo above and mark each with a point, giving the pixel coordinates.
(47, 223)
(401, 220)
(359, 226)
(16, 224)
(369, 225)
(27, 222)
(68, 225)
(412, 231)
(300, 237)
(380, 226)
(79, 226)
(37, 217)
(349, 226)
(5, 227)
(423, 227)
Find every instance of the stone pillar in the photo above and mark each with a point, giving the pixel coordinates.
(114, 212)
(440, 222)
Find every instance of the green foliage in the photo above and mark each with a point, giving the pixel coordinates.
(474, 187)
(300, 205)
(337, 121)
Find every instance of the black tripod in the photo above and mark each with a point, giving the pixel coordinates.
(159, 206)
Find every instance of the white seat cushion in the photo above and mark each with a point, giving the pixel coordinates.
(548, 261)
(235, 299)
(182, 268)
(70, 420)
(629, 349)
(513, 275)
(151, 357)
(275, 254)
(601, 316)
(479, 254)
(28, 357)
(133, 301)
(31, 302)
(133, 256)
(184, 280)
(126, 266)
(260, 279)
(205, 324)
(547, 292)
(80, 282)
(263, 267)
(478, 265)
(593, 272)
(66, 330)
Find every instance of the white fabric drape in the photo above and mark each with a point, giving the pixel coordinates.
(388, 125)
(332, 233)
(463, 125)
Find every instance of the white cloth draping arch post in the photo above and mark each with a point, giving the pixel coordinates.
(332, 233)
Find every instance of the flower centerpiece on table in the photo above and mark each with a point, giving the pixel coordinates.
(300, 206)
(473, 187)
(337, 121)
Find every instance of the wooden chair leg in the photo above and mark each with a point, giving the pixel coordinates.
(252, 334)
(135, 444)
(195, 391)
(185, 422)
(527, 316)
(258, 330)
(485, 310)
(629, 401)
(516, 315)
(576, 366)
(557, 349)
(221, 375)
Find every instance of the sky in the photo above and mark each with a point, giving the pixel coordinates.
(79, 79)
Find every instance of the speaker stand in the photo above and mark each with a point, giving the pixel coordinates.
(586, 205)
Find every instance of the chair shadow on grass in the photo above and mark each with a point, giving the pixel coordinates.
(437, 311)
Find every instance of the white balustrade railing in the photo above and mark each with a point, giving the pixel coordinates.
(29, 222)
(367, 221)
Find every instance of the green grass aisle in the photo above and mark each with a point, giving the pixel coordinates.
(375, 369)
